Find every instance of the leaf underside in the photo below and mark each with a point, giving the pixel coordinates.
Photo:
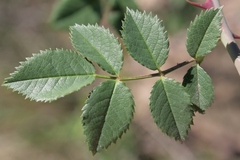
(199, 86)
(170, 107)
(203, 33)
(107, 114)
(51, 74)
(145, 39)
(98, 45)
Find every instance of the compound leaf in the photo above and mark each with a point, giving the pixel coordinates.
(51, 74)
(170, 107)
(107, 114)
(68, 12)
(145, 39)
(204, 33)
(98, 45)
(199, 86)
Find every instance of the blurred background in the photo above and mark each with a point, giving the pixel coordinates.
(53, 131)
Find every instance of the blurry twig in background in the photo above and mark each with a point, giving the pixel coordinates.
(227, 37)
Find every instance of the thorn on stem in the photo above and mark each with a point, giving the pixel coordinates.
(236, 36)
(206, 5)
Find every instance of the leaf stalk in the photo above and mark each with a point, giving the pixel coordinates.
(158, 74)
(179, 65)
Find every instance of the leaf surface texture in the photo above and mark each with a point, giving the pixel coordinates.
(170, 107)
(203, 33)
(98, 45)
(199, 86)
(107, 114)
(51, 75)
(145, 39)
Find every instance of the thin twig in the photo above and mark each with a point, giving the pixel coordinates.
(158, 74)
(229, 41)
(179, 65)
(227, 37)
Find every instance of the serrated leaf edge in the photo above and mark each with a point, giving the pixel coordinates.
(201, 110)
(121, 134)
(127, 126)
(202, 13)
(192, 113)
(96, 26)
(22, 63)
(129, 11)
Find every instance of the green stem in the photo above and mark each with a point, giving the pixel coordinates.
(140, 77)
(105, 77)
(179, 65)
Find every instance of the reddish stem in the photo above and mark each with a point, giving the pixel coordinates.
(206, 5)
(227, 37)
(236, 36)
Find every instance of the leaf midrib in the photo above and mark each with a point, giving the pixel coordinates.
(54, 77)
(203, 37)
(164, 88)
(149, 51)
(97, 51)
(109, 104)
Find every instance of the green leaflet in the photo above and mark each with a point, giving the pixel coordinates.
(98, 45)
(68, 12)
(145, 39)
(204, 33)
(199, 86)
(107, 114)
(170, 107)
(51, 74)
